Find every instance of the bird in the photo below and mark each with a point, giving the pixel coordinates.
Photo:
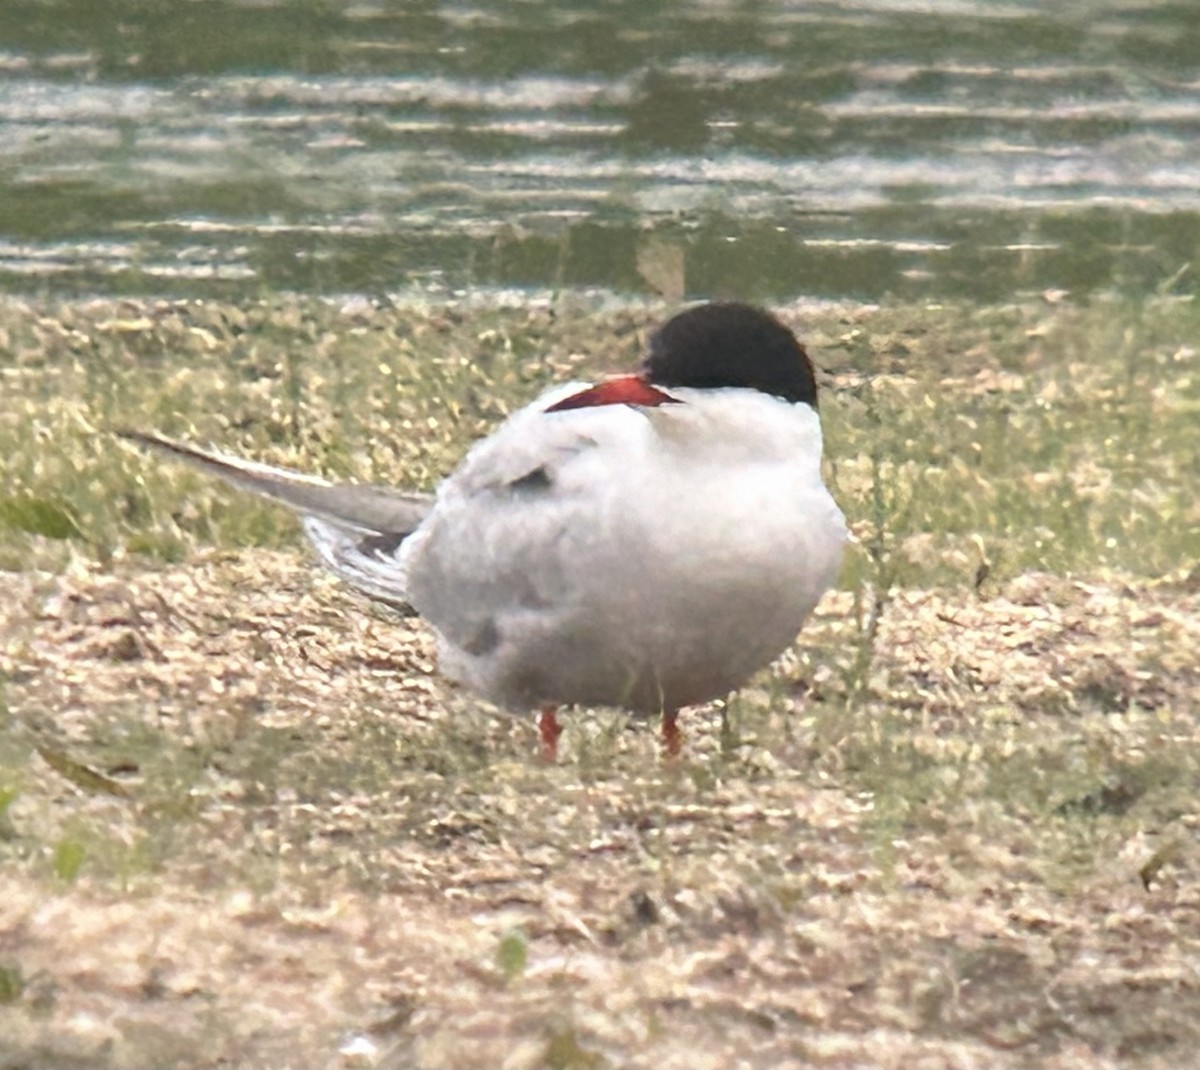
(647, 541)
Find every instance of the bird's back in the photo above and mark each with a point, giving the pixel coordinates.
(645, 558)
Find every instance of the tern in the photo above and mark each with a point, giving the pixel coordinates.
(647, 541)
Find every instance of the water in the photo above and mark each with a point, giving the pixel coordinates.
(951, 148)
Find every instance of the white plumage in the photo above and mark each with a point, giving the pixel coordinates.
(593, 551)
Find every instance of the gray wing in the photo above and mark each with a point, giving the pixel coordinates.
(356, 529)
(511, 522)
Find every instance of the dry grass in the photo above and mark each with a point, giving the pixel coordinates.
(244, 825)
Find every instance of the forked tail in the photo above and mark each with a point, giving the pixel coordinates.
(357, 529)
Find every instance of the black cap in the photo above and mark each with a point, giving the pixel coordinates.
(730, 344)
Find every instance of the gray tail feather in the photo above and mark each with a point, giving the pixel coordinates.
(356, 529)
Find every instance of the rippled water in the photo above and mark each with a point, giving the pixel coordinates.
(853, 149)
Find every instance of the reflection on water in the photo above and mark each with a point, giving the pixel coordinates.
(840, 149)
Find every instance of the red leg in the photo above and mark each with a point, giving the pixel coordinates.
(672, 737)
(549, 730)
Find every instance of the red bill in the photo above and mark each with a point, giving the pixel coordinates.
(625, 390)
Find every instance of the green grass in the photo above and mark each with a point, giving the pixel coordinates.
(1015, 436)
(241, 821)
